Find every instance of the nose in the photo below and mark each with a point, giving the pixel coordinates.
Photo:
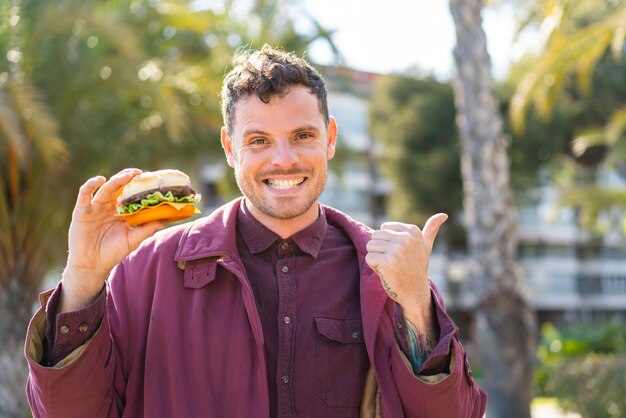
(284, 154)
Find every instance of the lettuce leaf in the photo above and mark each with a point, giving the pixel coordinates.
(154, 199)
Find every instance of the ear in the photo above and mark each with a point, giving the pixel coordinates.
(227, 145)
(332, 136)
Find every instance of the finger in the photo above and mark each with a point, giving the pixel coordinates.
(377, 246)
(105, 194)
(398, 227)
(374, 260)
(141, 232)
(431, 228)
(85, 193)
(383, 235)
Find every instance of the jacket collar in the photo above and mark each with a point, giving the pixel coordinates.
(215, 235)
(211, 236)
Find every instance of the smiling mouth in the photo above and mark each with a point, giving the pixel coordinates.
(285, 184)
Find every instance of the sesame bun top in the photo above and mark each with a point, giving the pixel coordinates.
(151, 180)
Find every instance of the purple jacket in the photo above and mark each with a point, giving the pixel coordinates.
(208, 346)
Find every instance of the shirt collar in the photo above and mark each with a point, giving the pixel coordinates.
(259, 238)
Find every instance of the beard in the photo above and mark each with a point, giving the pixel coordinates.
(287, 207)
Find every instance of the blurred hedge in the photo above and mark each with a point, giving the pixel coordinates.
(584, 367)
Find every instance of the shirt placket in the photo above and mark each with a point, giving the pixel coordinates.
(285, 272)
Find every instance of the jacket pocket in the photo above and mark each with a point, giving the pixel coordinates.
(341, 361)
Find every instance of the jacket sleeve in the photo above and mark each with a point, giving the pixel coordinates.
(65, 332)
(81, 384)
(444, 386)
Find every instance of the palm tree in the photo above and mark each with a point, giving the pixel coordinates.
(505, 330)
(577, 36)
(579, 39)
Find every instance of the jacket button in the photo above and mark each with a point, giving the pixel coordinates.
(285, 379)
(356, 335)
(285, 269)
(83, 328)
(284, 245)
(287, 320)
(64, 329)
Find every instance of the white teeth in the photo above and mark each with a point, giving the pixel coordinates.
(285, 184)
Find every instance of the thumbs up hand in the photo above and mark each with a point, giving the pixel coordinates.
(399, 254)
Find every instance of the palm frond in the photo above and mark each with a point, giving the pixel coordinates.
(565, 54)
(617, 44)
(589, 138)
(591, 201)
(181, 16)
(39, 124)
(616, 128)
(10, 127)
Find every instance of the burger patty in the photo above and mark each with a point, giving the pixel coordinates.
(176, 191)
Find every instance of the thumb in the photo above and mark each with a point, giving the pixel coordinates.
(431, 228)
(141, 232)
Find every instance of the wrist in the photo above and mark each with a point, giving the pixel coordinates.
(420, 313)
(80, 287)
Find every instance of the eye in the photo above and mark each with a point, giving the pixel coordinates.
(304, 135)
(258, 141)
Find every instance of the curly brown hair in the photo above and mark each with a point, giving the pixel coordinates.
(266, 73)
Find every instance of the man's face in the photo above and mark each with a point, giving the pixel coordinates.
(280, 152)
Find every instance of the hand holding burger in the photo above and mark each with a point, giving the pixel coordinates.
(99, 239)
(158, 195)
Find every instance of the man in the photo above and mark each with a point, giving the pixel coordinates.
(272, 306)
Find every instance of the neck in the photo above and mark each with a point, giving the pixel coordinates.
(284, 227)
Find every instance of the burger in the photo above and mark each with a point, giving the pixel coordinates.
(157, 195)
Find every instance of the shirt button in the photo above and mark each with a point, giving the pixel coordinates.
(83, 328)
(285, 379)
(64, 329)
(356, 335)
(285, 269)
(284, 245)
(287, 320)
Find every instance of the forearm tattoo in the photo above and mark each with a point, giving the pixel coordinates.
(420, 346)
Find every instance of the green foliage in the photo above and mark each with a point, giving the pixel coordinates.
(585, 136)
(578, 35)
(88, 87)
(585, 368)
(413, 119)
(537, 148)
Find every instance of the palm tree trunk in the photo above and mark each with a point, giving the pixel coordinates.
(16, 301)
(24, 232)
(505, 328)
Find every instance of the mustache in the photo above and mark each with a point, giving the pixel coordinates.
(289, 172)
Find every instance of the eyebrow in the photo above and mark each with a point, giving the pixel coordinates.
(254, 132)
(300, 129)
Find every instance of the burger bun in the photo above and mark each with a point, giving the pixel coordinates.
(151, 180)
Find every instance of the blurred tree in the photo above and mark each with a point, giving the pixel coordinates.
(413, 119)
(286, 24)
(585, 368)
(505, 324)
(90, 87)
(582, 54)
